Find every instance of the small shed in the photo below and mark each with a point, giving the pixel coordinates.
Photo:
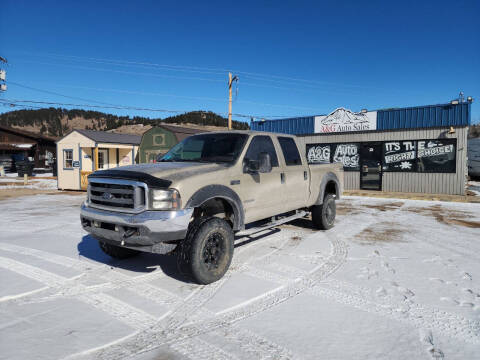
(81, 152)
(158, 140)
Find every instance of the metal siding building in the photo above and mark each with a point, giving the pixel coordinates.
(422, 125)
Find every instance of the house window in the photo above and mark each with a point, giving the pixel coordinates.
(159, 139)
(67, 159)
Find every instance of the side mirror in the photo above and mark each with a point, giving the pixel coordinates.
(251, 166)
(265, 163)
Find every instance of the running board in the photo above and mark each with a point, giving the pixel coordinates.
(297, 215)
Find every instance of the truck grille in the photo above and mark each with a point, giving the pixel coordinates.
(120, 195)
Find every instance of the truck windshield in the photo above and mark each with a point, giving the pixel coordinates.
(210, 148)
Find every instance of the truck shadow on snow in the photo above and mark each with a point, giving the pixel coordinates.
(143, 263)
(89, 248)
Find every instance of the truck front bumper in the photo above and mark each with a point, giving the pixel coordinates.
(151, 231)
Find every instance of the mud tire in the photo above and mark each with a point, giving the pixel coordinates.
(207, 251)
(117, 252)
(323, 216)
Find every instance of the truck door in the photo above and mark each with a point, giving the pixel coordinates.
(261, 193)
(295, 175)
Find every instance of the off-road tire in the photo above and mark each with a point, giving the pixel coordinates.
(207, 251)
(117, 252)
(323, 216)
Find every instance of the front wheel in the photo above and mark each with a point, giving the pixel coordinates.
(323, 216)
(207, 251)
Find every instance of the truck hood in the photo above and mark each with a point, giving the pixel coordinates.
(173, 171)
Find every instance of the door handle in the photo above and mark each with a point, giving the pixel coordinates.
(282, 178)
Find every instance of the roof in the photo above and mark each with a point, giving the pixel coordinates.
(416, 117)
(28, 134)
(109, 137)
(181, 132)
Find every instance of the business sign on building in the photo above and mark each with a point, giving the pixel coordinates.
(343, 120)
(347, 154)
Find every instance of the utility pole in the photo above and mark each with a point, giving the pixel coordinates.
(230, 82)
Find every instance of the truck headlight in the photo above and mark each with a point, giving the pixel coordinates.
(165, 199)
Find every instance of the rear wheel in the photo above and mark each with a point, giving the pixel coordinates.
(207, 251)
(117, 252)
(323, 216)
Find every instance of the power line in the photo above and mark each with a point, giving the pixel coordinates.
(123, 71)
(197, 69)
(147, 93)
(58, 94)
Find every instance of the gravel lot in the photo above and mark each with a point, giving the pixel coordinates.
(396, 279)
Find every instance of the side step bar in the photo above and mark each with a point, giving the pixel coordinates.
(273, 223)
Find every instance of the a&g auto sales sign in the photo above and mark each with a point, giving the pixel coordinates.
(343, 120)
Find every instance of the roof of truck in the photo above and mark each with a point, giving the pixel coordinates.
(249, 132)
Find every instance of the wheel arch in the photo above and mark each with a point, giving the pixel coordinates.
(329, 185)
(223, 193)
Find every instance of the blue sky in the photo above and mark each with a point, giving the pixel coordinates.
(292, 57)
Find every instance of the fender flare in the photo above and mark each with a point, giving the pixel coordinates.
(223, 192)
(328, 177)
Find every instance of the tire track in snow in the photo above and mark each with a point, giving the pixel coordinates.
(446, 323)
(195, 348)
(114, 280)
(120, 310)
(133, 317)
(254, 345)
(251, 344)
(194, 303)
(33, 272)
(155, 337)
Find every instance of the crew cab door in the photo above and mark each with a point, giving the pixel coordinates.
(261, 193)
(296, 182)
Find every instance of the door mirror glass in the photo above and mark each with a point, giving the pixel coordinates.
(251, 166)
(262, 165)
(265, 163)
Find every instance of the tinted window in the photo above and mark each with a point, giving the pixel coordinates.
(436, 155)
(261, 144)
(290, 151)
(220, 147)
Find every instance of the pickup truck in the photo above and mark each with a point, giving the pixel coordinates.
(204, 191)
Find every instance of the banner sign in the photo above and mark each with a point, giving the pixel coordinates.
(428, 156)
(343, 120)
(347, 154)
(437, 155)
(318, 154)
(399, 156)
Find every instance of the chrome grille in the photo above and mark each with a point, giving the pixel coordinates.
(119, 195)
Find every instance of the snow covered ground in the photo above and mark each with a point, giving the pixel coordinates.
(394, 279)
(39, 182)
(474, 187)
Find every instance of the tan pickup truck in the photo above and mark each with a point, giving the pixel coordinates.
(204, 191)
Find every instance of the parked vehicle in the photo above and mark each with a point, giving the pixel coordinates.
(474, 158)
(6, 161)
(203, 191)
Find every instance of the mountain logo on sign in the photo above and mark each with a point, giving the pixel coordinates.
(343, 116)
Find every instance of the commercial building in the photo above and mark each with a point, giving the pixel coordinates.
(83, 151)
(415, 149)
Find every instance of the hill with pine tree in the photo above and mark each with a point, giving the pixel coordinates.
(57, 122)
